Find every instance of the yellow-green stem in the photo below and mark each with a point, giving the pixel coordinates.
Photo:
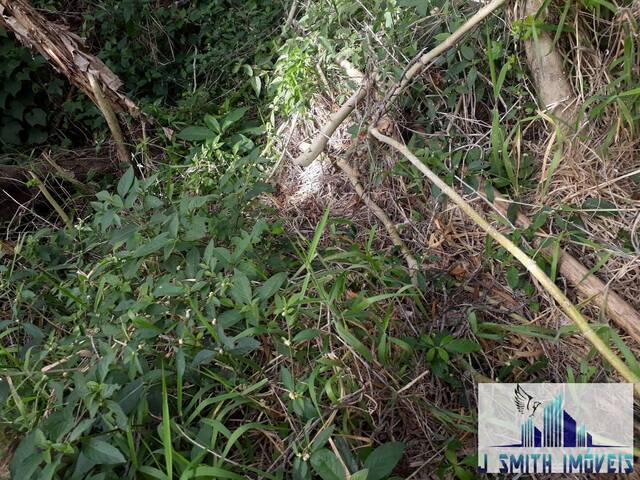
(570, 310)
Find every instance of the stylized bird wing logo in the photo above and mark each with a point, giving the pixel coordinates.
(525, 403)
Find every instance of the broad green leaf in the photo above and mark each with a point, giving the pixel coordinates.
(269, 288)
(360, 475)
(232, 117)
(462, 345)
(195, 134)
(37, 116)
(256, 83)
(383, 460)
(102, 453)
(353, 342)
(327, 465)
(241, 290)
(599, 206)
(421, 6)
(306, 334)
(153, 246)
(152, 472)
(216, 472)
(168, 290)
(124, 185)
(212, 123)
(513, 277)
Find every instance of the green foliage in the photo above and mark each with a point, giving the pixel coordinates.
(177, 330)
(28, 94)
(159, 307)
(441, 348)
(294, 77)
(160, 50)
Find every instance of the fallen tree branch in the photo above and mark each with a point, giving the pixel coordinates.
(570, 310)
(322, 138)
(557, 97)
(545, 63)
(423, 61)
(412, 263)
(64, 51)
(586, 284)
(320, 141)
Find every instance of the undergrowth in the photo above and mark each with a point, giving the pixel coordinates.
(182, 328)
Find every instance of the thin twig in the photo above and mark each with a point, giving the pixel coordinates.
(412, 263)
(56, 206)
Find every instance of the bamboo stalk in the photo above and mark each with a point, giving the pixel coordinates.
(587, 284)
(545, 63)
(570, 310)
(319, 143)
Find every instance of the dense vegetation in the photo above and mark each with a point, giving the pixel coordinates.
(190, 323)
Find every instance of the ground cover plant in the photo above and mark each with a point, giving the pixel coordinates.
(209, 309)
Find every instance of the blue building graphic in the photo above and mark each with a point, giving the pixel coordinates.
(559, 429)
